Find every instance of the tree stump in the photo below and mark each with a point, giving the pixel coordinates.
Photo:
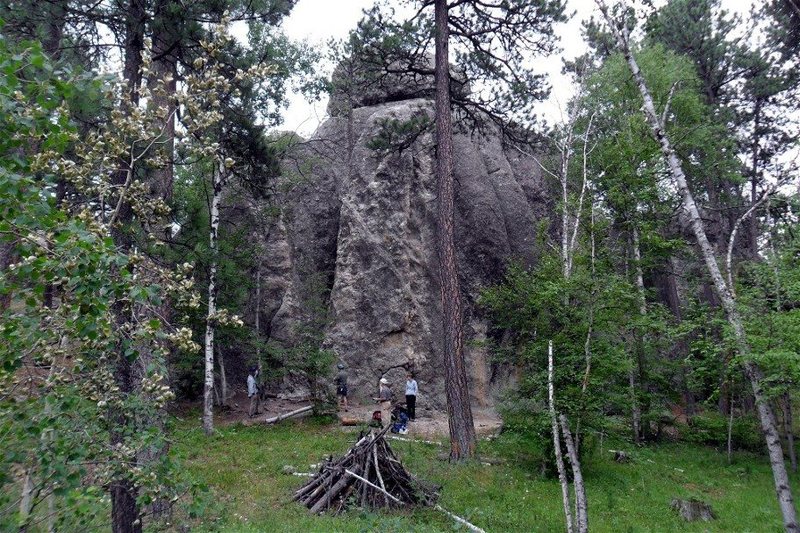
(693, 510)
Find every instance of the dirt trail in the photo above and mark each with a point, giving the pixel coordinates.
(429, 425)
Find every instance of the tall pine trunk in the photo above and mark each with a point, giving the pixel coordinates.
(462, 429)
(752, 371)
(124, 508)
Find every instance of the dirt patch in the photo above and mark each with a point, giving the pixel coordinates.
(429, 424)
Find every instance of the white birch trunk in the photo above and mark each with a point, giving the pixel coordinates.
(581, 508)
(208, 389)
(752, 371)
(562, 474)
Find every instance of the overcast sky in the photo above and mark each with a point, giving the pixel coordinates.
(320, 20)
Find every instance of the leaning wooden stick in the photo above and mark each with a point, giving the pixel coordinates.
(460, 520)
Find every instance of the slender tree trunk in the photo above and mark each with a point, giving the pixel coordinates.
(730, 427)
(636, 413)
(753, 226)
(208, 389)
(788, 430)
(462, 429)
(581, 508)
(223, 379)
(258, 319)
(641, 369)
(752, 371)
(562, 472)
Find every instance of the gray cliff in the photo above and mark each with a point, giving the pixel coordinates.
(355, 243)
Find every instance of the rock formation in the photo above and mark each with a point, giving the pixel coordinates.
(353, 248)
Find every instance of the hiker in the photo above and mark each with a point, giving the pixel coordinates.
(411, 396)
(252, 391)
(385, 400)
(341, 386)
(399, 420)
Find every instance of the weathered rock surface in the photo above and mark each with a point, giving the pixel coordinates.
(356, 243)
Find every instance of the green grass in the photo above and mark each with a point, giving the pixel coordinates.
(242, 467)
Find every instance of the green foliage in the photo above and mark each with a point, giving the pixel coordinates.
(711, 429)
(397, 135)
(540, 305)
(628, 160)
(60, 339)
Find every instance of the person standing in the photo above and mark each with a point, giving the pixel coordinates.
(411, 396)
(385, 400)
(341, 386)
(252, 391)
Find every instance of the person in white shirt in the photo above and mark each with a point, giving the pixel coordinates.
(411, 396)
(252, 391)
(384, 398)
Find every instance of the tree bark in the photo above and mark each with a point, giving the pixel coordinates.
(788, 430)
(581, 509)
(462, 429)
(124, 509)
(730, 428)
(562, 473)
(756, 148)
(258, 320)
(641, 369)
(166, 33)
(752, 371)
(223, 379)
(208, 388)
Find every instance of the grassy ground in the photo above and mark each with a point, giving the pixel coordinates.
(242, 467)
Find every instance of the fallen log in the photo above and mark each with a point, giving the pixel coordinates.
(290, 414)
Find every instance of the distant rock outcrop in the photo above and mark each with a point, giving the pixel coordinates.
(356, 240)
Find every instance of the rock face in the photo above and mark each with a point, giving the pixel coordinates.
(354, 248)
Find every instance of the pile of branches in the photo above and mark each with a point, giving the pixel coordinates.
(369, 475)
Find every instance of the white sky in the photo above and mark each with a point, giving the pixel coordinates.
(317, 21)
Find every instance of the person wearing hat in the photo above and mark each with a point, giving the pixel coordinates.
(341, 386)
(385, 400)
(252, 391)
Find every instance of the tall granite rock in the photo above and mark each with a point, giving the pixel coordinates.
(356, 243)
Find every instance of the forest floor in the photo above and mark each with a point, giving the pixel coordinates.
(248, 491)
